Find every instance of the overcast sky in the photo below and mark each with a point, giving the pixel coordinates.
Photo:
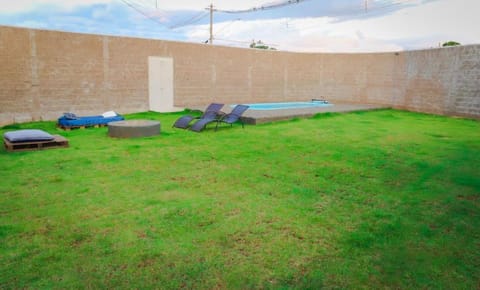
(308, 26)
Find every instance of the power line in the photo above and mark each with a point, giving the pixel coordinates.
(359, 11)
(192, 20)
(263, 7)
(141, 12)
(254, 9)
(388, 4)
(147, 5)
(135, 4)
(362, 9)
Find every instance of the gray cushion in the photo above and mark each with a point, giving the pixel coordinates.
(70, 116)
(27, 135)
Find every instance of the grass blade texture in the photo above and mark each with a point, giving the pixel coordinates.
(380, 199)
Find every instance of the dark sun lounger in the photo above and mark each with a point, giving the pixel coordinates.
(230, 118)
(210, 113)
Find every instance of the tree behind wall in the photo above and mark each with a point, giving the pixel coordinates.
(260, 45)
(450, 43)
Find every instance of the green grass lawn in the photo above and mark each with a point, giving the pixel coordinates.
(380, 199)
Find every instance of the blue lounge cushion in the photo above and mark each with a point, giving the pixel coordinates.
(88, 121)
(28, 135)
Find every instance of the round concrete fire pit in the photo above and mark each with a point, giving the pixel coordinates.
(133, 128)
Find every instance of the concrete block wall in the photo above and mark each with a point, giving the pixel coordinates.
(45, 73)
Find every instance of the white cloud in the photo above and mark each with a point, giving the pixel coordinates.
(33, 23)
(295, 35)
(102, 12)
(444, 16)
(201, 4)
(413, 27)
(423, 24)
(15, 6)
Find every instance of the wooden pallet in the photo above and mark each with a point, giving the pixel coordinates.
(57, 142)
(68, 128)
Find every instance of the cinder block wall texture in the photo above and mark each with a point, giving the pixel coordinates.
(45, 73)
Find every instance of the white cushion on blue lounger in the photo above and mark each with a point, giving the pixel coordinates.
(109, 114)
(28, 135)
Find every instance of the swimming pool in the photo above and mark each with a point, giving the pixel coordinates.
(288, 105)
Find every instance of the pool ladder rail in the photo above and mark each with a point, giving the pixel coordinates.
(321, 101)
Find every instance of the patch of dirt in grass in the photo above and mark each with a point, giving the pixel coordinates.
(468, 197)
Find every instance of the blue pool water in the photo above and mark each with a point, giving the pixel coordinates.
(288, 105)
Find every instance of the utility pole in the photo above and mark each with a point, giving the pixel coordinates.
(211, 24)
(366, 6)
